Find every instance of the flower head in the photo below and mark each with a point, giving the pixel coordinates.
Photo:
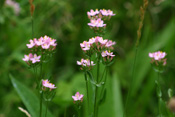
(85, 64)
(32, 44)
(47, 84)
(158, 58)
(27, 57)
(96, 23)
(35, 58)
(77, 97)
(92, 12)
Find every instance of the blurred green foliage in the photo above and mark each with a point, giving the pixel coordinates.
(66, 21)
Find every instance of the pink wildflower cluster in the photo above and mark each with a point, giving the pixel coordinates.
(96, 18)
(107, 55)
(102, 13)
(47, 84)
(158, 57)
(44, 46)
(78, 97)
(45, 43)
(14, 5)
(98, 44)
(30, 58)
(96, 23)
(85, 64)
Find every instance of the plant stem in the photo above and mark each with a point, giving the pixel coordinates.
(158, 79)
(104, 82)
(131, 85)
(32, 27)
(96, 88)
(41, 97)
(87, 91)
(46, 108)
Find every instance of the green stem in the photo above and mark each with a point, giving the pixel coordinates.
(104, 82)
(87, 91)
(96, 88)
(32, 27)
(130, 87)
(46, 108)
(41, 97)
(158, 79)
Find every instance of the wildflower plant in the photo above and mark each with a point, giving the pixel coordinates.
(78, 99)
(40, 51)
(98, 51)
(158, 62)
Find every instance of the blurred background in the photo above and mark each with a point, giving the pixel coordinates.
(66, 21)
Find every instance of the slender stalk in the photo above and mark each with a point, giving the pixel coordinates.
(130, 87)
(96, 88)
(32, 27)
(46, 108)
(142, 10)
(41, 99)
(87, 90)
(104, 82)
(158, 79)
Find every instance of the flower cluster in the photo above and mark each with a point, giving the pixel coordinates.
(45, 43)
(14, 5)
(31, 58)
(98, 44)
(158, 58)
(96, 19)
(102, 13)
(47, 84)
(43, 47)
(96, 23)
(78, 97)
(107, 55)
(85, 64)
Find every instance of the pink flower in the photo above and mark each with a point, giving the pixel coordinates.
(85, 45)
(85, 63)
(158, 58)
(107, 53)
(78, 96)
(104, 12)
(35, 58)
(45, 46)
(92, 12)
(47, 84)
(103, 42)
(100, 23)
(110, 13)
(93, 23)
(52, 42)
(27, 57)
(157, 55)
(32, 44)
(40, 41)
(110, 43)
(96, 23)
(91, 40)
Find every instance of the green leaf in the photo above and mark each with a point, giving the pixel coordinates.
(170, 93)
(29, 99)
(159, 92)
